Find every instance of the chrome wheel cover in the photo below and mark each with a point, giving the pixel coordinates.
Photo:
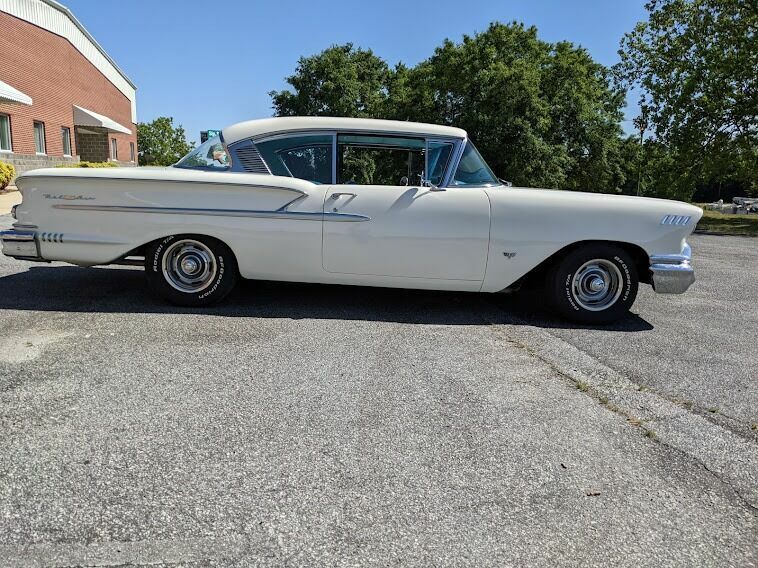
(597, 285)
(189, 266)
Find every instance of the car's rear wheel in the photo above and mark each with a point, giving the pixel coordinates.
(190, 270)
(595, 283)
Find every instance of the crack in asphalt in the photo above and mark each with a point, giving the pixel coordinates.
(125, 553)
(587, 384)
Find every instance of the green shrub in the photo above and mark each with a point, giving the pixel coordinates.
(88, 165)
(7, 172)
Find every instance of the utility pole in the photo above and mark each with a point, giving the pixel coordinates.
(641, 123)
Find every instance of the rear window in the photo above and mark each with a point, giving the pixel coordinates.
(210, 155)
(303, 156)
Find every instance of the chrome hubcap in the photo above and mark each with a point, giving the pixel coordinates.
(597, 285)
(189, 266)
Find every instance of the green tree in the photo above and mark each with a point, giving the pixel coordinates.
(695, 63)
(542, 114)
(339, 81)
(161, 143)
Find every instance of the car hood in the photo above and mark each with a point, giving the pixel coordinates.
(628, 204)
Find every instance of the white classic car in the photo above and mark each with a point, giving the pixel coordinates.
(353, 201)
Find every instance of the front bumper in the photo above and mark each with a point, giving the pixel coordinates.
(20, 244)
(672, 273)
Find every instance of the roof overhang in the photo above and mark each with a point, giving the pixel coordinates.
(8, 93)
(85, 117)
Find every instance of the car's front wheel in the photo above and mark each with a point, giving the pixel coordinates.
(594, 284)
(190, 270)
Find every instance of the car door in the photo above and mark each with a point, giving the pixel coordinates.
(412, 230)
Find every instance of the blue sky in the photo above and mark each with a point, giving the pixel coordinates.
(211, 63)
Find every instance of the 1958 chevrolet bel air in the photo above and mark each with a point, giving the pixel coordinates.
(353, 201)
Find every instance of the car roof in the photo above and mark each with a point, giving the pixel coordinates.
(255, 128)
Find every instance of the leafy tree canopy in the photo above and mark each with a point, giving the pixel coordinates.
(542, 114)
(695, 62)
(546, 114)
(339, 81)
(161, 143)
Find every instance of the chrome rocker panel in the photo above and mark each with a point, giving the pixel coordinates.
(672, 273)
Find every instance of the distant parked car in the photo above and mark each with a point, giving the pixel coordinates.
(353, 201)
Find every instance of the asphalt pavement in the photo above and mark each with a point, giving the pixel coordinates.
(313, 425)
(699, 348)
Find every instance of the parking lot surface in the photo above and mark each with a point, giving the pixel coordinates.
(301, 424)
(698, 348)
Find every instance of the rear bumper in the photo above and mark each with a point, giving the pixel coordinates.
(20, 244)
(672, 274)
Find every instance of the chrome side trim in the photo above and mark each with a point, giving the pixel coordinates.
(298, 198)
(455, 159)
(85, 240)
(335, 149)
(246, 158)
(242, 184)
(278, 214)
(352, 130)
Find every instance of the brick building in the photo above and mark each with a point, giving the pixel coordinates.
(62, 98)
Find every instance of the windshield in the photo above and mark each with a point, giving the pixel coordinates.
(210, 155)
(473, 170)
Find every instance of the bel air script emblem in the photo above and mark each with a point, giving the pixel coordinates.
(68, 197)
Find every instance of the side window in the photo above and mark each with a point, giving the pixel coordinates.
(437, 160)
(473, 170)
(307, 157)
(379, 160)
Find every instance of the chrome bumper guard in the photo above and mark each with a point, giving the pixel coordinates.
(20, 244)
(672, 273)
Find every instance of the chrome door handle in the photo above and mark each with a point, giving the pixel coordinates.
(338, 194)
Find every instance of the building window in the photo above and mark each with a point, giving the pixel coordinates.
(39, 137)
(66, 139)
(114, 149)
(5, 133)
(131, 151)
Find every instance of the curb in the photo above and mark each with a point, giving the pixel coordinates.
(729, 457)
(720, 234)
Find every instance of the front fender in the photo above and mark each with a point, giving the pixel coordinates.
(531, 225)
